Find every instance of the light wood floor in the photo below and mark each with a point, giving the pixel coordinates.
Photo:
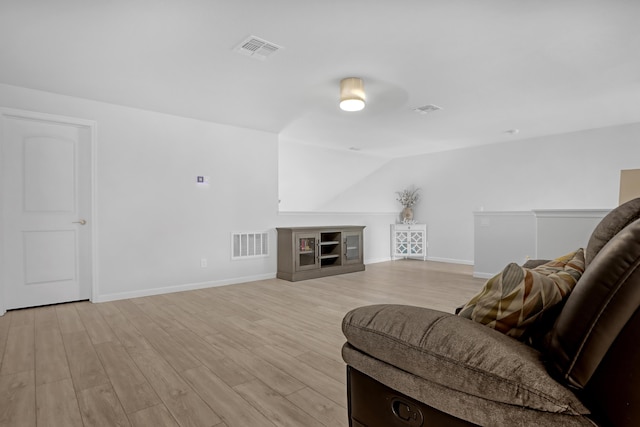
(264, 353)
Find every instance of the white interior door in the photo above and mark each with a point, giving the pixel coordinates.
(46, 201)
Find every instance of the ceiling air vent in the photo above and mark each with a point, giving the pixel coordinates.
(425, 109)
(258, 48)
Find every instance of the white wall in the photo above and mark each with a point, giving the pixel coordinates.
(571, 171)
(154, 223)
(310, 176)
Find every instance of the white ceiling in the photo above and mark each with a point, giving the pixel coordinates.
(540, 66)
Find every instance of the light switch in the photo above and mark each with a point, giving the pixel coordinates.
(202, 181)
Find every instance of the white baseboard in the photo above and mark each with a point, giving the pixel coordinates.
(180, 288)
(450, 260)
(434, 259)
(377, 260)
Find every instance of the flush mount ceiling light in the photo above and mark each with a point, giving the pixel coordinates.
(352, 94)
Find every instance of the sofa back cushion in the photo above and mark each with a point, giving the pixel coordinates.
(604, 299)
(611, 225)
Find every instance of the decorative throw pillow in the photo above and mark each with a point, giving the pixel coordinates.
(515, 298)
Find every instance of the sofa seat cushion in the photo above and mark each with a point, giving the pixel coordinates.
(458, 354)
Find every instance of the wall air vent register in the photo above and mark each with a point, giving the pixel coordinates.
(249, 245)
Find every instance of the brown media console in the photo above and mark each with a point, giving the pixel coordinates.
(310, 252)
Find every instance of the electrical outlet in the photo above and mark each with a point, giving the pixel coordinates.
(203, 262)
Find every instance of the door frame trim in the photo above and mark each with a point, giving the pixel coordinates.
(92, 126)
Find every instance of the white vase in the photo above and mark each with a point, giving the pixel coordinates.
(407, 214)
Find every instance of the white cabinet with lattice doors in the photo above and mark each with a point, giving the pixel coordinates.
(409, 241)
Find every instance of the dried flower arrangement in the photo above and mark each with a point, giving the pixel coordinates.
(408, 197)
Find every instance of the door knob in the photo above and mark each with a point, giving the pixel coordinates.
(81, 222)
